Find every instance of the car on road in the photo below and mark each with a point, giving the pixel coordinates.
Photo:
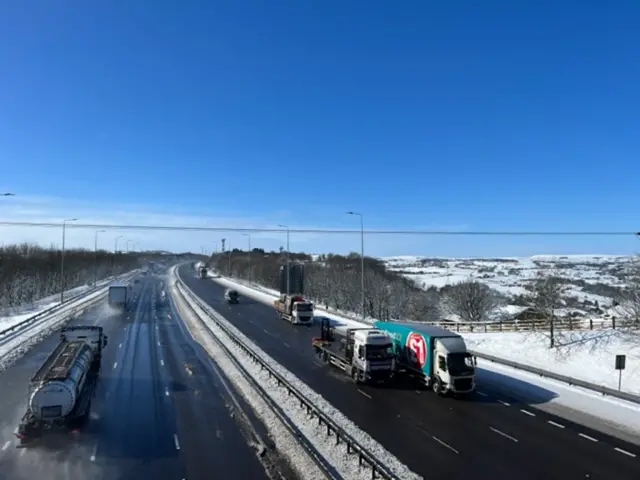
(231, 296)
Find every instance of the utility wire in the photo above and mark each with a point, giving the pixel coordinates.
(320, 231)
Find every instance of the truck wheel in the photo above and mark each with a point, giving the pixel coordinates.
(437, 386)
(355, 376)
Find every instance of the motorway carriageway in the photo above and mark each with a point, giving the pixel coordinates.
(485, 436)
(159, 412)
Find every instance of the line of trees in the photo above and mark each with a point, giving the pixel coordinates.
(334, 281)
(30, 272)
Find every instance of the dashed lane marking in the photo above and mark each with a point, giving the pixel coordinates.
(115, 365)
(506, 404)
(6, 445)
(176, 442)
(551, 422)
(482, 394)
(162, 362)
(286, 344)
(120, 346)
(364, 393)
(158, 343)
(625, 452)
(588, 437)
(527, 412)
(503, 434)
(166, 392)
(445, 444)
(94, 452)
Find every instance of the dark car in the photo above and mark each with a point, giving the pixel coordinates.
(231, 296)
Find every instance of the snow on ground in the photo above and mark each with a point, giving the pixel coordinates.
(510, 275)
(308, 425)
(11, 316)
(594, 357)
(588, 356)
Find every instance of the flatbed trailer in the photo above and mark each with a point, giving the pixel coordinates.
(363, 354)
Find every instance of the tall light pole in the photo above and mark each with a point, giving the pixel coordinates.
(62, 282)
(361, 258)
(95, 257)
(288, 259)
(249, 237)
(229, 257)
(128, 245)
(115, 243)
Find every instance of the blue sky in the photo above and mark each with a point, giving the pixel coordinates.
(479, 115)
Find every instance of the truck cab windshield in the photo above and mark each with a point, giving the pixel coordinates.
(379, 352)
(304, 307)
(460, 364)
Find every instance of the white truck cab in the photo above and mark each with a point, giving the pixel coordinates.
(454, 366)
(373, 351)
(302, 312)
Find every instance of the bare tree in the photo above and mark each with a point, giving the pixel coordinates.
(547, 291)
(471, 300)
(628, 300)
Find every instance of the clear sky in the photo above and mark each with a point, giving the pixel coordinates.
(420, 114)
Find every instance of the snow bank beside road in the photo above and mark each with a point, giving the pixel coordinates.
(588, 356)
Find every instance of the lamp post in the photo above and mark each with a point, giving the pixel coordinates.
(249, 237)
(229, 257)
(361, 258)
(288, 259)
(95, 257)
(115, 243)
(62, 282)
(127, 246)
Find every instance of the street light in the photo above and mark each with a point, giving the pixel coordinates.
(229, 244)
(95, 257)
(62, 282)
(115, 243)
(361, 257)
(288, 267)
(128, 245)
(249, 237)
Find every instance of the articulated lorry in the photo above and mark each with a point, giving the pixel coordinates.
(202, 272)
(438, 357)
(364, 354)
(119, 295)
(60, 392)
(294, 309)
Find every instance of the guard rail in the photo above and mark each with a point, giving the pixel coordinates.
(56, 308)
(378, 469)
(630, 397)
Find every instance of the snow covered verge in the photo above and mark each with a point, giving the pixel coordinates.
(346, 464)
(13, 316)
(588, 356)
(526, 348)
(15, 344)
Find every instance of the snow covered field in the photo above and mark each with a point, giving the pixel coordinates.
(593, 360)
(587, 275)
(588, 356)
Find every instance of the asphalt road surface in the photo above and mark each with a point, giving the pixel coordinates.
(486, 436)
(159, 411)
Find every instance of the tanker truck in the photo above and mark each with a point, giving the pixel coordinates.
(60, 392)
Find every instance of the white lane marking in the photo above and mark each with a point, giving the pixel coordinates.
(23, 451)
(527, 412)
(482, 394)
(286, 344)
(120, 346)
(158, 343)
(115, 365)
(93, 453)
(625, 452)
(162, 362)
(588, 437)
(166, 392)
(444, 444)
(551, 422)
(175, 441)
(503, 434)
(364, 393)
(506, 404)
(6, 445)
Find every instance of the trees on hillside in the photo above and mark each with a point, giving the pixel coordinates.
(470, 300)
(547, 291)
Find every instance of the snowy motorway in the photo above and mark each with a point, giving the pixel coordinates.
(489, 434)
(160, 410)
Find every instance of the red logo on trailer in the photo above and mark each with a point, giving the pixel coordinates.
(417, 349)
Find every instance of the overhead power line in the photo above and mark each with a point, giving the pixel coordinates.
(318, 230)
